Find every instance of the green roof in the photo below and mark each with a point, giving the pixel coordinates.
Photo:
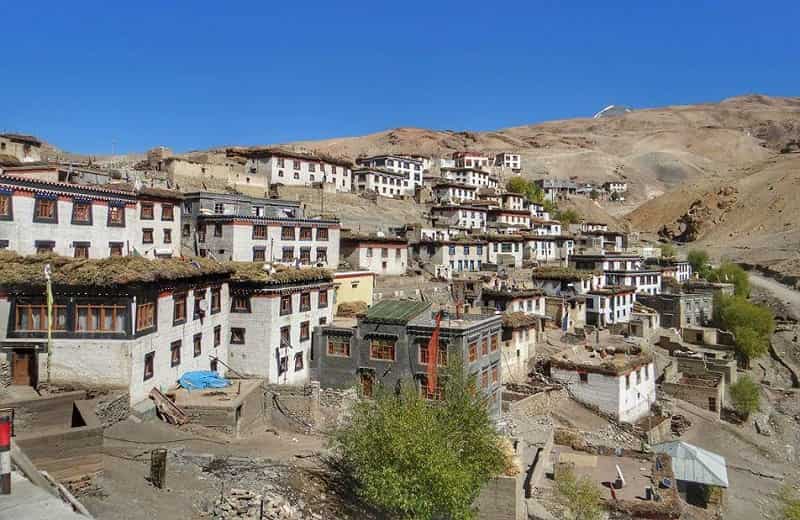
(396, 311)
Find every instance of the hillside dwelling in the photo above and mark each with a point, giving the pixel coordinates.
(586, 226)
(128, 323)
(562, 281)
(678, 270)
(619, 380)
(183, 171)
(520, 335)
(434, 233)
(698, 285)
(608, 240)
(646, 281)
(547, 249)
(38, 216)
(682, 309)
(290, 241)
(472, 176)
(514, 201)
(512, 299)
(508, 160)
(505, 250)
(448, 192)
(644, 323)
(453, 256)
(470, 159)
(615, 186)
(274, 166)
(208, 203)
(352, 287)
(67, 172)
(566, 312)
(609, 305)
(538, 212)
(605, 262)
(383, 182)
(545, 227)
(555, 189)
(518, 218)
(465, 217)
(411, 168)
(389, 347)
(24, 148)
(271, 320)
(384, 255)
(489, 196)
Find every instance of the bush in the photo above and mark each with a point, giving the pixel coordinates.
(746, 395)
(567, 217)
(668, 251)
(414, 459)
(732, 273)
(525, 187)
(581, 496)
(732, 312)
(750, 344)
(699, 262)
(789, 503)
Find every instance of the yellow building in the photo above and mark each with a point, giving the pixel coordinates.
(353, 286)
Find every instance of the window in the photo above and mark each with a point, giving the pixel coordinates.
(167, 236)
(148, 365)
(322, 233)
(298, 362)
(384, 252)
(280, 162)
(287, 233)
(627, 381)
(286, 336)
(305, 233)
(339, 347)
(287, 254)
(145, 316)
(147, 211)
(296, 165)
(584, 377)
(91, 317)
(116, 216)
(237, 336)
(179, 308)
(259, 254)
(201, 233)
(424, 359)
(369, 252)
(32, 317)
(283, 361)
(305, 302)
(217, 335)
(305, 255)
(44, 246)
(485, 378)
(322, 255)
(5, 207)
(45, 211)
(305, 330)
(219, 208)
(199, 296)
(495, 343)
(115, 248)
(81, 213)
(312, 167)
(217, 230)
(259, 232)
(167, 212)
(216, 299)
(485, 347)
(438, 391)
(81, 249)
(175, 353)
(381, 350)
(323, 299)
(473, 352)
(286, 304)
(240, 303)
(495, 374)
(397, 254)
(147, 236)
(197, 344)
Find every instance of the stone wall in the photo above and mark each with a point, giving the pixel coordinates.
(112, 408)
(697, 394)
(5, 372)
(532, 405)
(292, 407)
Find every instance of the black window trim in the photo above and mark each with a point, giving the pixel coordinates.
(121, 206)
(10, 195)
(75, 222)
(40, 220)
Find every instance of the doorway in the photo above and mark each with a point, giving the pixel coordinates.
(23, 367)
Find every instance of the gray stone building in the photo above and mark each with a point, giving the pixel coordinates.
(24, 148)
(681, 310)
(389, 347)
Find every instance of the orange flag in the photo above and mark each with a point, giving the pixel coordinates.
(433, 355)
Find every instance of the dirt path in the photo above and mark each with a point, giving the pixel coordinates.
(788, 296)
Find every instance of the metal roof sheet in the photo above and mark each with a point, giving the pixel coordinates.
(396, 311)
(693, 464)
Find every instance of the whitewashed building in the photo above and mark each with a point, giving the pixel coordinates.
(455, 256)
(519, 218)
(411, 168)
(609, 305)
(460, 216)
(545, 227)
(511, 299)
(470, 159)
(508, 160)
(472, 176)
(505, 250)
(385, 183)
(514, 201)
(520, 336)
(560, 281)
(619, 381)
(615, 186)
(646, 281)
(275, 166)
(449, 192)
(383, 255)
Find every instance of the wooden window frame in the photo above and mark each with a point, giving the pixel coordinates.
(197, 345)
(485, 347)
(41, 310)
(80, 248)
(217, 335)
(119, 222)
(259, 254)
(147, 215)
(494, 343)
(260, 232)
(473, 352)
(334, 351)
(320, 298)
(217, 230)
(381, 347)
(118, 312)
(147, 235)
(306, 233)
(145, 316)
(285, 335)
(240, 303)
(167, 236)
(286, 231)
(112, 246)
(149, 365)
(174, 347)
(305, 301)
(322, 234)
(423, 355)
(286, 310)
(6, 206)
(167, 212)
(179, 302)
(81, 220)
(216, 299)
(305, 330)
(239, 340)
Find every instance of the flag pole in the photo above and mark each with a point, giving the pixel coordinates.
(49, 285)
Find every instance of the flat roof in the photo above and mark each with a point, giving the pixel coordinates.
(614, 358)
(395, 311)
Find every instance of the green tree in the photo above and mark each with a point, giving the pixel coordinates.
(667, 250)
(731, 273)
(746, 395)
(615, 196)
(594, 194)
(789, 503)
(567, 217)
(581, 496)
(732, 312)
(415, 458)
(750, 344)
(525, 187)
(699, 262)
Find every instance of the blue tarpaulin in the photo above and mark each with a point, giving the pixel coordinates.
(201, 379)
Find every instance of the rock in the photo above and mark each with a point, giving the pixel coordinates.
(761, 422)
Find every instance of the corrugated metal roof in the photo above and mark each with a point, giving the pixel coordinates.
(693, 464)
(396, 311)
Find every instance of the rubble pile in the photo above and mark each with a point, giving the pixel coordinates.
(242, 504)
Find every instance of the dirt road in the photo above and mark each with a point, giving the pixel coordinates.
(788, 296)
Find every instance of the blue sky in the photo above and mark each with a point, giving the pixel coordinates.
(191, 75)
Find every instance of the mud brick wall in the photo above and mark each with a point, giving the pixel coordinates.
(112, 408)
(292, 407)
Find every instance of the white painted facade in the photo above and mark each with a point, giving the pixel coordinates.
(452, 257)
(504, 249)
(297, 170)
(470, 160)
(410, 168)
(383, 182)
(464, 217)
(471, 176)
(454, 193)
(607, 306)
(627, 397)
(508, 160)
(645, 281)
(384, 258)
(519, 218)
(514, 201)
(545, 227)
(516, 353)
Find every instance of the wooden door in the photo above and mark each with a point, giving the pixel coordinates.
(23, 367)
(366, 384)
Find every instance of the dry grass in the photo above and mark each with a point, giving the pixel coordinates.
(251, 272)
